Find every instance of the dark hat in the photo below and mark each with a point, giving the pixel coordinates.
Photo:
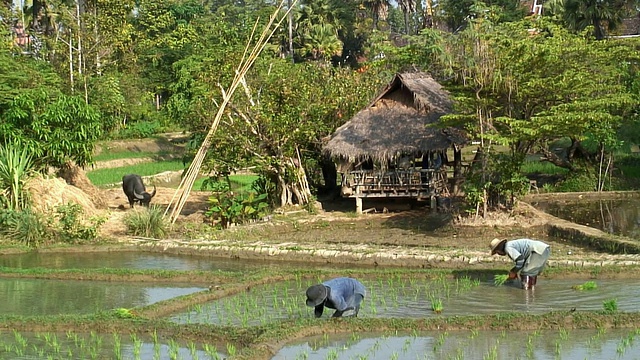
(316, 295)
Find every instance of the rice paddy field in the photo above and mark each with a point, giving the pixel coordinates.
(126, 302)
(259, 312)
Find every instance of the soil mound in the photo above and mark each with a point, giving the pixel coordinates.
(47, 194)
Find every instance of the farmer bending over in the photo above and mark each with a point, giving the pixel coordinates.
(530, 256)
(342, 294)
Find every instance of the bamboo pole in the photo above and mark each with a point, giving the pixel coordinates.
(248, 59)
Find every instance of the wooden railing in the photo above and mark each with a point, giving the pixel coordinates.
(406, 183)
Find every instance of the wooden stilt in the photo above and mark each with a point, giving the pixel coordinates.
(358, 205)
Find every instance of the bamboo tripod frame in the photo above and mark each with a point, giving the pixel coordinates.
(248, 59)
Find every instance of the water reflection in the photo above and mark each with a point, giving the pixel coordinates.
(619, 217)
(145, 261)
(51, 297)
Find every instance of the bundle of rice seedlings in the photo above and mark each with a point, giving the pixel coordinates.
(500, 279)
(589, 285)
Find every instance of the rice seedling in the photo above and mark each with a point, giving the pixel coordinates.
(231, 350)
(589, 285)
(436, 305)
(564, 334)
(558, 348)
(211, 351)
(610, 306)
(492, 354)
(117, 346)
(500, 279)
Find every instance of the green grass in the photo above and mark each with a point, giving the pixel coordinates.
(127, 154)
(114, 175)
(540, 167)
(239, 183)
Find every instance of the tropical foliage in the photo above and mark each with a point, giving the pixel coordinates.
(118, 68)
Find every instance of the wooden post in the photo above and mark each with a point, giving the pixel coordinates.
(434, 204)
(358, 205)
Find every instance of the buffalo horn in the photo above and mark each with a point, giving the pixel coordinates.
(138, 196)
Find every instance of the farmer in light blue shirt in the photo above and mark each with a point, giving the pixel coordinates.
(530, 256)
(342, 294)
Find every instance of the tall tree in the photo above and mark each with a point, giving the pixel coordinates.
(408, 7)
(545, 87)
(604, 15)
(379, 10)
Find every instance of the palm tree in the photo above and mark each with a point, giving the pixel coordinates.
(379, 10)
(408, 7)
(604, 15)
(321, 42)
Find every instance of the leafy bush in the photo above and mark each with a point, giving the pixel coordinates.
(500, 179)
(139, 130)
(71, 225)
(577, 182)
(263, 185)
(57, 127)
(147, 222)
(227, 208)
(25, 226)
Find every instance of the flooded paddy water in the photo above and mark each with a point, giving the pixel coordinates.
(79, 346)
(410, 298)
(614, 216)
(139, 260)
(598, 344)
(31, 297)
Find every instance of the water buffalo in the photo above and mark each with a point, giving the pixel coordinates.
(134, 189)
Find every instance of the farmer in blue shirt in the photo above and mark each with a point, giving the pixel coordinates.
(342, 294)
(530, 256)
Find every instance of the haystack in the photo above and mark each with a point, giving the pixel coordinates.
(47, 194)
(75, 175)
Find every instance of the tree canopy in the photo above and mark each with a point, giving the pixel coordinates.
(519, 80)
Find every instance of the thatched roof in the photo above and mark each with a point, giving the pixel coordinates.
(397, 122)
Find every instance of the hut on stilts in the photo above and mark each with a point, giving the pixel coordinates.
(392, 148)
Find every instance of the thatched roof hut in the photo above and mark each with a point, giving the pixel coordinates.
(398, 122)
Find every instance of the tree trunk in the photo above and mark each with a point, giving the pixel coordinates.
(457, 168)
(556, 160)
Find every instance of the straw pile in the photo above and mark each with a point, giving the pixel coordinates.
(47, 194)
(76, 176)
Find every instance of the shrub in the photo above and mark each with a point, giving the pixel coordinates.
(138, 130)
(71, 225)
(26, 226)
(147, 222)
(577, 182)
(228, 208)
